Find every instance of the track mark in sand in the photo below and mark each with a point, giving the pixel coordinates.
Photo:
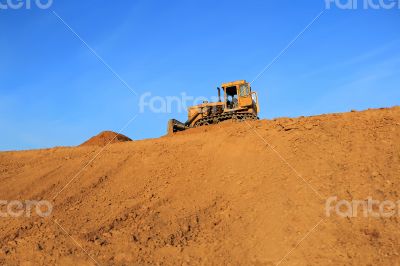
(97, 154)
(286, 162)
(301, 240)
(76, 242)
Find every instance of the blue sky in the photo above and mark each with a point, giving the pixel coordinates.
(55, 92)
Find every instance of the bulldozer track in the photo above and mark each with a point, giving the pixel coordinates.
(215, 119)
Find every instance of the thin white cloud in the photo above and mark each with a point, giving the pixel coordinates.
(369, 86)
(361, 58)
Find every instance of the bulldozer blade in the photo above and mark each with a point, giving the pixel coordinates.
(175, 125)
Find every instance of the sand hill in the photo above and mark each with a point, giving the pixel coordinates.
(105, 138)
(250, 193)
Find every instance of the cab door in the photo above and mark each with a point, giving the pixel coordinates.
(244, 93)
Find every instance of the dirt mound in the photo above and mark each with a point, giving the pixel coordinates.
(105, 138)
(250, 193)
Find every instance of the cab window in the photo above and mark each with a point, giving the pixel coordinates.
(244, 90)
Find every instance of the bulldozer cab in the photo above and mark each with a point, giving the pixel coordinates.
(237, 95)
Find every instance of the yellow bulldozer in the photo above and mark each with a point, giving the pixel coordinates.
(239, 103)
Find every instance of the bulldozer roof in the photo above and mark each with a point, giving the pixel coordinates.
(233, 83)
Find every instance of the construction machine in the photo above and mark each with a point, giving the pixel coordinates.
(239, 103)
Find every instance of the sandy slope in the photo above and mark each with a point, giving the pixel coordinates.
(236, 193)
